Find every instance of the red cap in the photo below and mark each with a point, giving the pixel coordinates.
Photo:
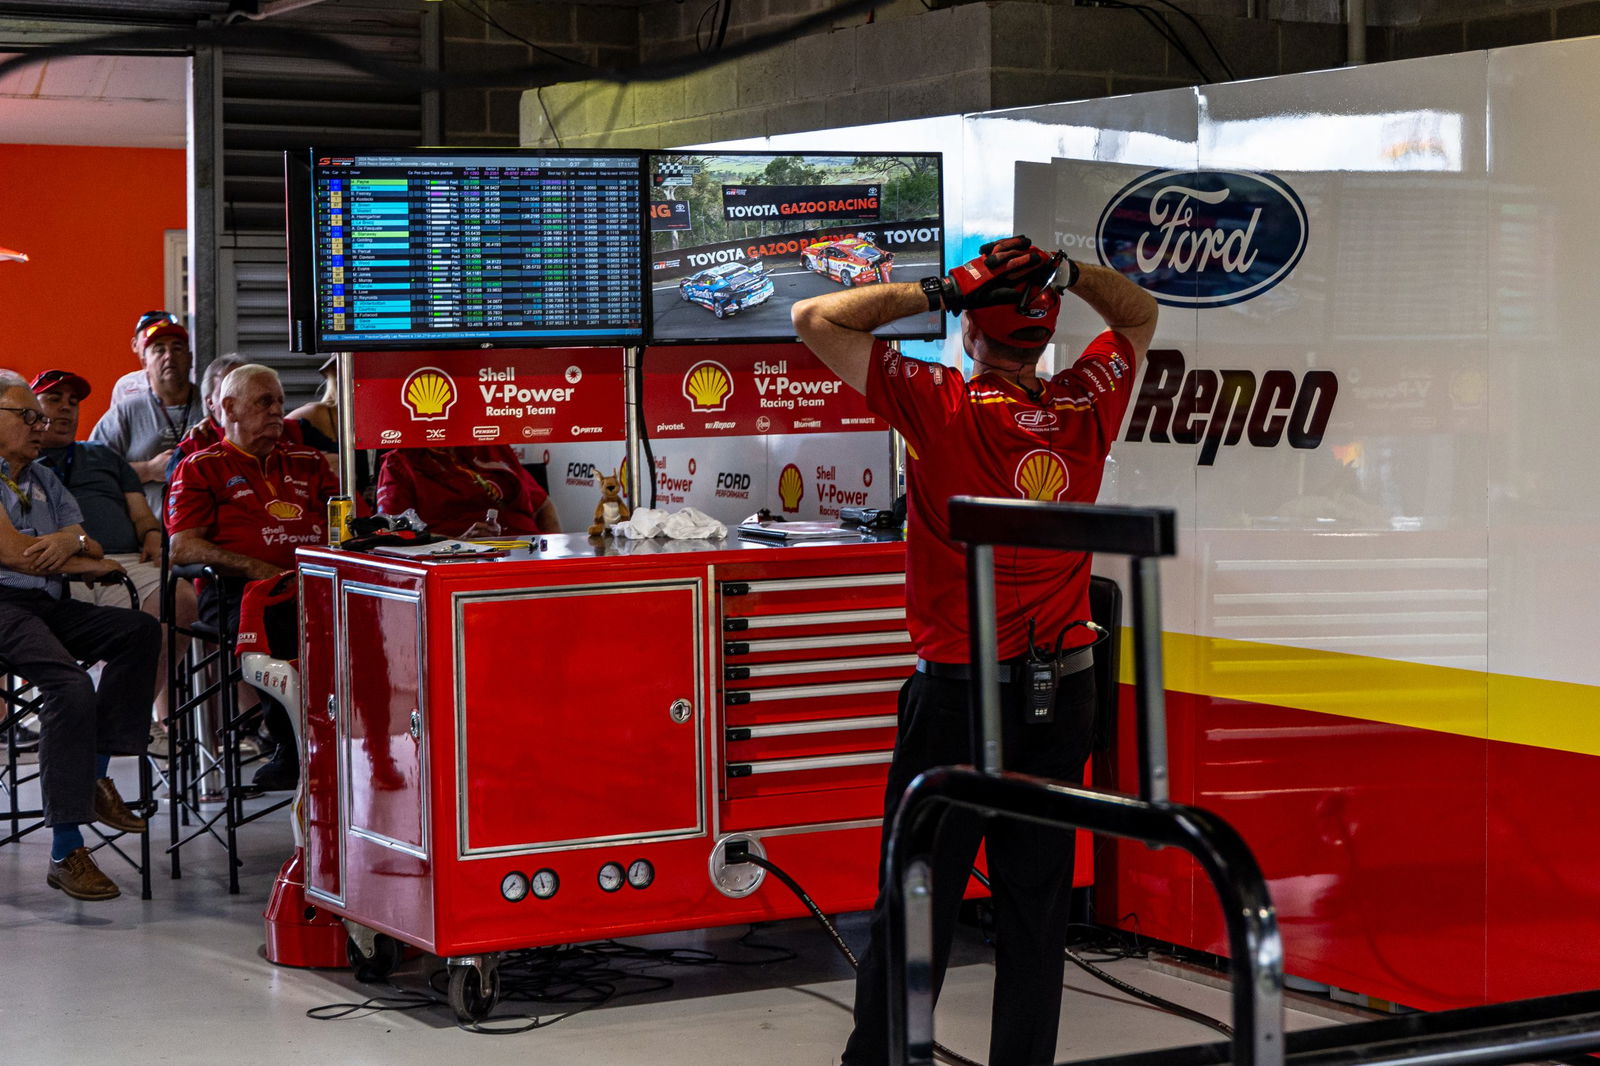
(54, 380)
(1003, 322)
(159, 329)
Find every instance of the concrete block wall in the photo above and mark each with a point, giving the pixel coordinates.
(908, 62)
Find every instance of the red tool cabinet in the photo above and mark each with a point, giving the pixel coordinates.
(554, 746)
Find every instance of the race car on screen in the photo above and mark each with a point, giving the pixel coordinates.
(848, 260)
(729, 288)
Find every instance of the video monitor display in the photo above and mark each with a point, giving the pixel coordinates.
(737, 238)
(450, 248)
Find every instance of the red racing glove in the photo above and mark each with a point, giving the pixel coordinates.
(1002, 274)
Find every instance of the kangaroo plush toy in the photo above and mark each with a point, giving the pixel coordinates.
(610, 510)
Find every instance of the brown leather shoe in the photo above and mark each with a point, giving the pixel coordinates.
(110, 810)
(80, 878)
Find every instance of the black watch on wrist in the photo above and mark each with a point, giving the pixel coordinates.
(933, 289)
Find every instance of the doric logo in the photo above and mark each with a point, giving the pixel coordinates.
(428, 393)
(707, 386)
(1205, 238)
(791, 488)
(1041, 476)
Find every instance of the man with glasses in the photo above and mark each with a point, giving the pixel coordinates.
(146, 427)
(44, 633)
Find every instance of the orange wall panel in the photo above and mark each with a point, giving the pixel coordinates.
(91, 221)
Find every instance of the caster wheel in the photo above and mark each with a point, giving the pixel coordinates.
(471, 1001)
(387, 953)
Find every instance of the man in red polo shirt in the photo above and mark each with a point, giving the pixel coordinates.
(1005, 432)
(243, 505)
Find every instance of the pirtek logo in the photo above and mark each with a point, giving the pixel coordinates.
(1216, 407)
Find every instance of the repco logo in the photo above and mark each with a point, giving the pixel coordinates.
(1203, 238)
(1216, 407)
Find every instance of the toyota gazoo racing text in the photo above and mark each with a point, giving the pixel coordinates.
(729, 288)
(848, 260)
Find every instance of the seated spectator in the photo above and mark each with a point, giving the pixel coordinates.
(453, 489)
(207, 431)
(319, 419)
(243, 505)
(145, 428)
(44, 633)
(115, 515)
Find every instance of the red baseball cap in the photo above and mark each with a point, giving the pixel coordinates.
(54, 380)
(159, 329)
(1004, 322)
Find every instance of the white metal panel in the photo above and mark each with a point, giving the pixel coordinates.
(1542, 255)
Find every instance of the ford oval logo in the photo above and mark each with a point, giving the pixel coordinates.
(1203, 238)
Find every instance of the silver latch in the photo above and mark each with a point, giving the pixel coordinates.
(333, 708)
(416, 724)
(680, 711)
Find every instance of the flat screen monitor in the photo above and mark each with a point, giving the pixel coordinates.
(736, 238)
(454, 248)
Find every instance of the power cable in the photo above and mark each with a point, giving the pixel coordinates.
(1201, 30)
(1158, 21)
(472, 7)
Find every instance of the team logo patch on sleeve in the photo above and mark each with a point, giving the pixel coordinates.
(1041, 475)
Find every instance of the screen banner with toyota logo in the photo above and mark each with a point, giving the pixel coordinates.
(504, 396)
(755, 390)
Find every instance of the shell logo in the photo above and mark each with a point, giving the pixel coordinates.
(1041, 476)
(429, 393)
(791, 488)
(707, 386)
(285, 511)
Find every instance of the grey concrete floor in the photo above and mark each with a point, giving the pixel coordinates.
(183, 978)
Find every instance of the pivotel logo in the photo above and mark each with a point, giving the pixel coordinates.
(1217, 407)
(429, 393)
(1041, 475)
(791, 488)
(707, 386)
(1203, 238)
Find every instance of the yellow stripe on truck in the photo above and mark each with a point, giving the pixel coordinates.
(1545, 714)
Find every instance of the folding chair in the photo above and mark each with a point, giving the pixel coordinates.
(18, 699)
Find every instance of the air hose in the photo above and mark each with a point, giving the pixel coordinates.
(737, 852)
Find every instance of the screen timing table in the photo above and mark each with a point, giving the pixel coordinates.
(413, 248)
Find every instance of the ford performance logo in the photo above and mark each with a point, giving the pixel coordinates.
(1203, 238)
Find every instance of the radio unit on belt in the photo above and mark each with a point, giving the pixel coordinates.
(1043, 668)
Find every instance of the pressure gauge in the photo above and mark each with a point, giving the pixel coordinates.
(641, 873)
(610, 877)
(514, 886)
(545, 883)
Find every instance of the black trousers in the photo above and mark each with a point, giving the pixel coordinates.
(1030, 866)
(43, 639)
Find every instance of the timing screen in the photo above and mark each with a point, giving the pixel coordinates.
(417, 249)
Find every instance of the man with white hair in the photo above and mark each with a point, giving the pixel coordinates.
(243, 505)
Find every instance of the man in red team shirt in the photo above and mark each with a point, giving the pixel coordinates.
(1004, 432)
(243, 505)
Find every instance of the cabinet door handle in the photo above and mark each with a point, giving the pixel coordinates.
(333, 708)
(680, 711)
(416, 724)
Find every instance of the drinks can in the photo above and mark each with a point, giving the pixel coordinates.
(340, 509)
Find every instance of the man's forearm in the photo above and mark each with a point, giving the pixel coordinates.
(1118, 301)
(190, 549)
(838, 327)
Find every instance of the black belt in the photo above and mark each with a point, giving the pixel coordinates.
(1072, 662)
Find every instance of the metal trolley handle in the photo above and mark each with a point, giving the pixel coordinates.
(1482, 1036)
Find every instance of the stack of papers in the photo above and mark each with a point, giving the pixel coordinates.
(794, 532)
